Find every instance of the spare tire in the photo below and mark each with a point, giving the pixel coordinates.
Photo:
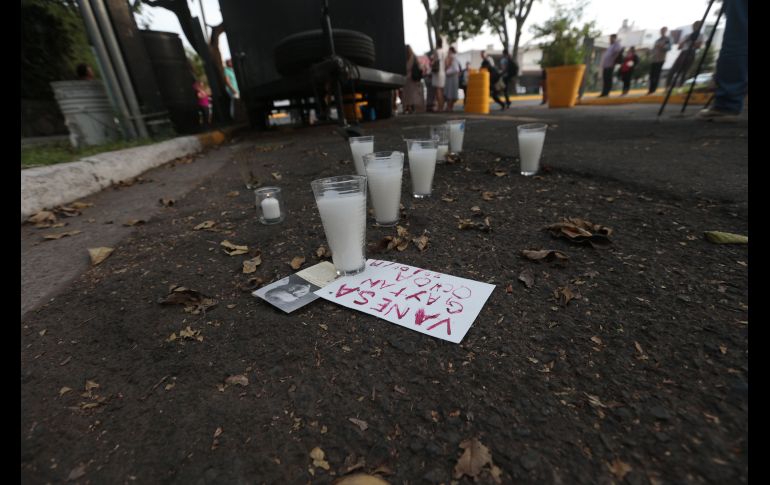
(297, 52)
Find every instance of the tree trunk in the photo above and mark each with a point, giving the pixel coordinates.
(516, 38)
(429, 23)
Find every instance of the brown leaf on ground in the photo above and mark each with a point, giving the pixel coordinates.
(565, 294)
(77, 472)
(488, 195)
(297, 262)
(66, 211)
(642, 355)
(421, 242)
(42, 218)
(234, 250)
(190, 334)
(509, 289)
(134, 222)
(469, 224)
(527, 277)
(233, 193)
(194, 301)
(250, 265)
(500, 172)
(99, 254)
(447, 199)
(240, 380)
(64, 390)
(453, 158)
(402, 231)
(363, 425)
(360, 479)
(61, 235)
(277, 175)
(81, 205)
(619, 468)
(581, 232)
(475, 457)
(323, 252)
(205, 225)
(597, 340)
(544, 255)
(317, 454)
(166, 202)
(475, 208)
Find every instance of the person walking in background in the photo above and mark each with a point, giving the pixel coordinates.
(413, 87)
(543, 87)
(453, 68)
(438, 73)
(630, 60)
(732, 74)
(231, 85)
(464, 76)
(659, 51)
(204, 105)
(494, 76)
(688, 48)
(509, 69)
(609, 59)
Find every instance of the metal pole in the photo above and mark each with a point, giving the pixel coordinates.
(703, 58)
(120, 67)
(205, 24)
(109, 74)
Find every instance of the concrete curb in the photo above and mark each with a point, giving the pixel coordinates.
(47, 187)
(695, 99)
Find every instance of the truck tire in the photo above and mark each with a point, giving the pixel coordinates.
(297, 52)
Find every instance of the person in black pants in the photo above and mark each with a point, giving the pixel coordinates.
(659, 51)
(494, 76)
(609, 59)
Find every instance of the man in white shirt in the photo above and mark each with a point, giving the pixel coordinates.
(609, 59)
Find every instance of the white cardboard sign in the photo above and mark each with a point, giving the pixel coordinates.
(436, 304)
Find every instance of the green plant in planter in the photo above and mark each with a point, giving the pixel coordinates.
(566, 42)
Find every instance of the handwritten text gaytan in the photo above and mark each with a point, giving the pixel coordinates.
(411, 295)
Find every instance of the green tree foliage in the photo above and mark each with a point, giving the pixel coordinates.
(462, 19)
(564, 44)
(53, 43)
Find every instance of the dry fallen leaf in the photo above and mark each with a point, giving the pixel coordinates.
(42, 217)
(234, 250)
(296, 262)
(317, 454)
(581, 231)
(61, 235)
(475, 457)
(500, 173)
(488, 195)
(134, 222)
(447, 199)
(233, 193)
(544, 255)
(360, 479)
(360, 423)
(77, 472)
(527, 277)
(565, 294)
(166, 202)
(99, 254)
(277, 175)
(191, 334)
(619, 468)
(204, 225)
(194, 301)
(421, 242)
(81, 205)
(250, 265)
(323, 252)
(64, 390)
(240, 379)
(597, 340)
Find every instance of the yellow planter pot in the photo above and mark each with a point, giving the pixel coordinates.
(563, 85)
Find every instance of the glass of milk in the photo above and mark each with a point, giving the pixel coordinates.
(422, 166)
(456, 134)
(360, 146)
(531, 138)
(441, 134)
(269, 205)
(341, 202)
(384, 171)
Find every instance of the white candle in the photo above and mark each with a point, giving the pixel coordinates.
(344, 220)
(456, 134)
(422, 165)
(530, 148)
(360, 149)
(441, 153)
(385, 191)
(271, 209)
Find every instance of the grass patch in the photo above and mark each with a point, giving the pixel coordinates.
(34, 156)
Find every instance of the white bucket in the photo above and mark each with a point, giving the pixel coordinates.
(87, 112)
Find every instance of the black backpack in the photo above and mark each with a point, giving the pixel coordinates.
(513, 69)
(416, 71)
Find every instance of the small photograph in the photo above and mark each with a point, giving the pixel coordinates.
(289, 293)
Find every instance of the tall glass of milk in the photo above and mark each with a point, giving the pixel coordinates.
(341, 202)
(360, 146)
(422, 166)
(384, 172)
(456, 134)
(441, 133)
(531, 138)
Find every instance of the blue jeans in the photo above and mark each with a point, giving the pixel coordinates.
(732, 75)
